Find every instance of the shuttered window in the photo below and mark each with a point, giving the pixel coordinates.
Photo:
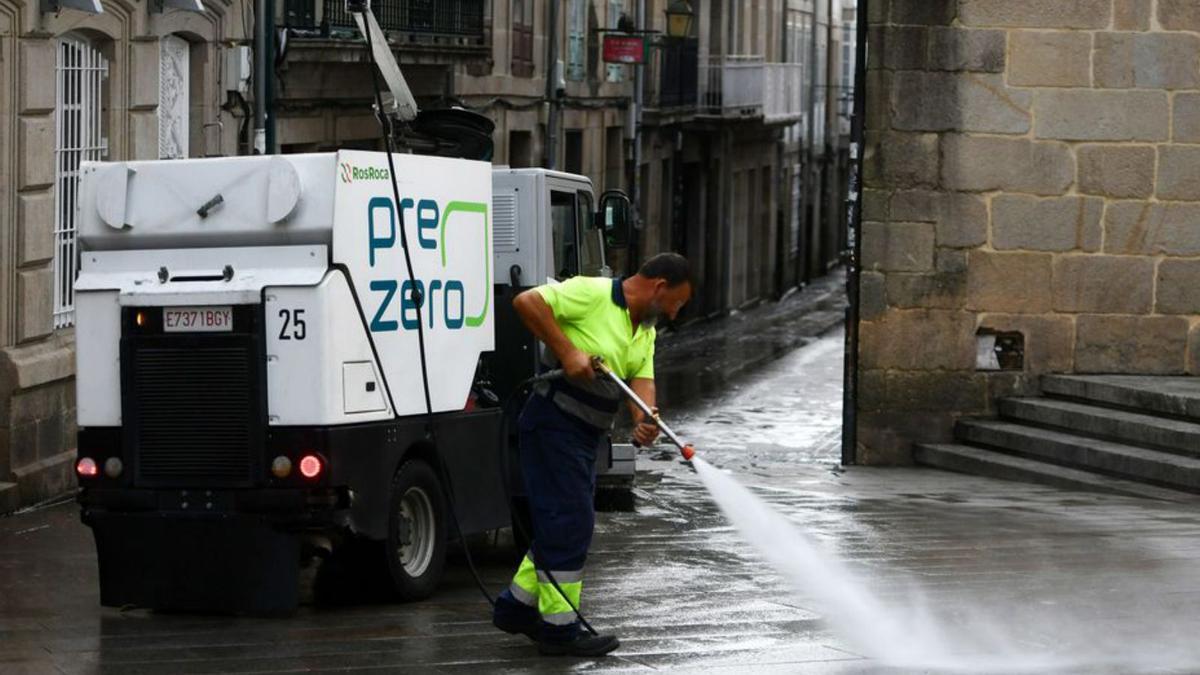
(522, 38)
(577, 41)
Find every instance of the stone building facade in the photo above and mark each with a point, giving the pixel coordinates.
(1032, 171)
(723, 128)
(132, 82)
(733, 135)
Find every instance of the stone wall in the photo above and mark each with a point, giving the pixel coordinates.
(37, 361)
(1030, 167)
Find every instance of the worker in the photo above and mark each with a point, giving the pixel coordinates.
(563, 423)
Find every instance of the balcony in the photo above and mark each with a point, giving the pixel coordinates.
(746, 87)
(671, 83)
(433, 23)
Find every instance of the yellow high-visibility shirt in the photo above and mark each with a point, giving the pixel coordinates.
(592, 313)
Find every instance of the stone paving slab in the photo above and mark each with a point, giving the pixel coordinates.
(676, 582)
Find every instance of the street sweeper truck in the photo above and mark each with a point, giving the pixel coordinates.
(250, 361)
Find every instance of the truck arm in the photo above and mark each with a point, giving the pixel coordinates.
(539, 319)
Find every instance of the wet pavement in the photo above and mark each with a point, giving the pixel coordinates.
(1093, 582)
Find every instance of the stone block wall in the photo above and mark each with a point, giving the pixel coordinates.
(1031, 167)
(37, 360)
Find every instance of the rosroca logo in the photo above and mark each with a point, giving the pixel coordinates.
(351, 173)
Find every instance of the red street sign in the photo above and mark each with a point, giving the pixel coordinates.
(624, 49)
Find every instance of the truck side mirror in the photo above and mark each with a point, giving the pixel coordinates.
(614, 217)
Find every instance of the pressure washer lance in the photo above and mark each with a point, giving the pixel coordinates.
(686, 449)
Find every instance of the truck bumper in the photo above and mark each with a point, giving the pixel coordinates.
(171, 550)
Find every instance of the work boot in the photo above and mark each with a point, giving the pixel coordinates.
(583, 644)
(516, 618)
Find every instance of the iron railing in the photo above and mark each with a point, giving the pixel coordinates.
(732, 86)
(783, 93)
(679, 73)
(426, 18)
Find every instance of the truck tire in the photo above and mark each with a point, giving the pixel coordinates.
(416, 543)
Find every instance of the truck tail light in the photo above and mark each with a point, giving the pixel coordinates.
(87, 468)
(311, 466)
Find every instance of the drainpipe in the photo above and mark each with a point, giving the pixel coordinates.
(829, 163)
(810, 133)
(263, 18)
(854, 201)
(635, 237)
(551, 141)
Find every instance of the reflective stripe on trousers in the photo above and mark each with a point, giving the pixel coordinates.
(534, 588)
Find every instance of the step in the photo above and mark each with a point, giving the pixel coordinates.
(1134, 428)
(1176, 396)
(10, 498)
(1107, 457)
(981, 462)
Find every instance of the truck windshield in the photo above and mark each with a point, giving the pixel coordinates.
(591, 249)
(562, 231)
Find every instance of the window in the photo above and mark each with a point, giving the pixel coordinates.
(573, 151)
(174, 82)
(522, 38)
(592, 249)
(577, 41)
(849, 42)
(562, 231)
(520, 149)
(615, 71)
(80, 73)
(614, 157)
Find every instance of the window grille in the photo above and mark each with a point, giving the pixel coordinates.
(79, 86)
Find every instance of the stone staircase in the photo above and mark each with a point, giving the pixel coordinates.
(1121, 434)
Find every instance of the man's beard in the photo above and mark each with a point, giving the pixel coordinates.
(650, 316)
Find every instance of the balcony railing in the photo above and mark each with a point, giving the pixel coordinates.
(672, 80)
(732, 86)
(747, 86)
(458, 21)
(783, 95)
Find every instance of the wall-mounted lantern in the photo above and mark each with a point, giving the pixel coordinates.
(679, 19)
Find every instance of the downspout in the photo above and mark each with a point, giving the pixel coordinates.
(635, 243)
(807, 222)
(262, 61)
(854, 203)
(551, 140)
(829, 197)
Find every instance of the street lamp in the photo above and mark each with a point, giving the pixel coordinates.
(679, 19)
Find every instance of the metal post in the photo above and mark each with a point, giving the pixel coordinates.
(262, 41)
(854, 200)
(551, 143)
(269, 82)
(635, 238)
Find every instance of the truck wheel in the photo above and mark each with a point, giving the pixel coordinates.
(416, 544)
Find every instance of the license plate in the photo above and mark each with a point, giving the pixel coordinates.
(197, 319)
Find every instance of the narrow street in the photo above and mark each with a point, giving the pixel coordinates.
(1074, 581)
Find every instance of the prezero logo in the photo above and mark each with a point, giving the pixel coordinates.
(444, 299)
(351, 173)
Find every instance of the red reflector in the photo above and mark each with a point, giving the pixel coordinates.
(310, 466)
(87, 467)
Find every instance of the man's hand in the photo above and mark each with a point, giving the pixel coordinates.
(578, 365)
(646, 431)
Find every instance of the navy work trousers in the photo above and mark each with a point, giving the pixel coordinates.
(558, 464)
